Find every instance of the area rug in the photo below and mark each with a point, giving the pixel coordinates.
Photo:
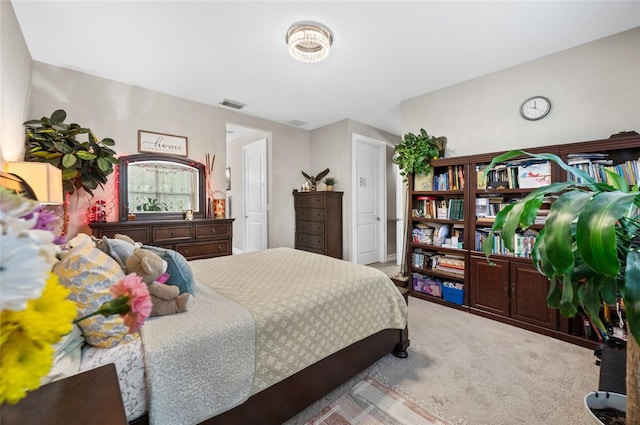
(370, 402)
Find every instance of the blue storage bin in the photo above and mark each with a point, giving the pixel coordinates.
(453, 295)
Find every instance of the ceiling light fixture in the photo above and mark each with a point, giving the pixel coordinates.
(309, 41)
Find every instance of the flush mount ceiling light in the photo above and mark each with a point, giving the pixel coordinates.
(309, 41)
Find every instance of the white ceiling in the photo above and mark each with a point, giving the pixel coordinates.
(383, 53)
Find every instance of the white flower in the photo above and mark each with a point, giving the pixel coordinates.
(23, 271)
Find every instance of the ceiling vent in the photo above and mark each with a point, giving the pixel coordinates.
(296, 123)
(232, 104)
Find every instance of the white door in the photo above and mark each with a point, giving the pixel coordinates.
(369, 200)
(254, 158)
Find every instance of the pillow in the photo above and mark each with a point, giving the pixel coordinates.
(180, 273)
(117, 249)
(89, 273)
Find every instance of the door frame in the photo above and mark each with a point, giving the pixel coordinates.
(265, 233)
(381, 145)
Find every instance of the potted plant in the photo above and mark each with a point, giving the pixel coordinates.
(589, 248)
(415, 151)
(84, 164)
(330, 182)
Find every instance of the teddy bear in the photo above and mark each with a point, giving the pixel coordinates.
(151, 268)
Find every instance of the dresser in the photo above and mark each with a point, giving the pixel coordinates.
(194, 239)
(319, 222)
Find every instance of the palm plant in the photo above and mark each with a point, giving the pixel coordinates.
(589, 248)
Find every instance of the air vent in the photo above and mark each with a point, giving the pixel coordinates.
(296, 123)
(232, 104)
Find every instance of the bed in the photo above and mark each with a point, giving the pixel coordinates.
(268, 334)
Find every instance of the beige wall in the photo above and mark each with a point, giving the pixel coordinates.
(15, 85)
(594, 90)
(331, 146)
(117, 110)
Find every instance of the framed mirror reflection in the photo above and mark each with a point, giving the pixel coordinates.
(161, 187)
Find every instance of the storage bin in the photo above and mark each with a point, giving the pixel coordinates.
(433, 287)
(453, 295)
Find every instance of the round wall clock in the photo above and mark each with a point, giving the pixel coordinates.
(535, 108)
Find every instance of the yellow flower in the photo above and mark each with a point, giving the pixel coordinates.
(26, 338)
(49, 317)
(24, 362)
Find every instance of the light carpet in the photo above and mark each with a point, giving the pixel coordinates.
(370, 402)
(477, 371)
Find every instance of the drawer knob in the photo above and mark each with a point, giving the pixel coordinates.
(213, 230)
(219, 248)
(173, 233)
(186, 252)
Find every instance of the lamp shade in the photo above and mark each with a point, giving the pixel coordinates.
(44, 179)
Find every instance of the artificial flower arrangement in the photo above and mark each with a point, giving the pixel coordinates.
(34, 310)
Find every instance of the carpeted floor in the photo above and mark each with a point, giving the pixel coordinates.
(478, 371)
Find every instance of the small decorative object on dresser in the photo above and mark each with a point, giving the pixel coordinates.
(330, 182)
(313, 181)
(319, 222)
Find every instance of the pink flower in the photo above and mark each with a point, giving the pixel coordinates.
(138, 300)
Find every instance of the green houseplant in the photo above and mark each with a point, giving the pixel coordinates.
(415, 151)
(330, 182)
(589, 248)
(84, 164)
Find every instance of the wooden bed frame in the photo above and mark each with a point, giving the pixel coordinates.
(280, 402)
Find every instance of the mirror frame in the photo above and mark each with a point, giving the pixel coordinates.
(124, 162)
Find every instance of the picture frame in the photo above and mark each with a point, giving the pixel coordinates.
(162, 143)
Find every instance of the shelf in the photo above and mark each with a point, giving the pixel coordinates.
(438, 248)
(437, 220)
(438, 273)
(438, 192)
(437, 300)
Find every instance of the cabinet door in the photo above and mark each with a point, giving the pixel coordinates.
(529, 291)
(490, 285)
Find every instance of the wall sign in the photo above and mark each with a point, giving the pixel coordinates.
(149, 141)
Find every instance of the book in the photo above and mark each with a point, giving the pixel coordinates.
(423, 182)
(534, 175)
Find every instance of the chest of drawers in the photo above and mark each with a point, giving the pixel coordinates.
(194, 239)
(319, 222)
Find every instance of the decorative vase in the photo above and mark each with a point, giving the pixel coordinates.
(603, 400)
(329, 188)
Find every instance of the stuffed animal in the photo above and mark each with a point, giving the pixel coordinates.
(166, 298)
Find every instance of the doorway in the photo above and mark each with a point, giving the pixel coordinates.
(369, 200)
(247, 186)
(254, 158)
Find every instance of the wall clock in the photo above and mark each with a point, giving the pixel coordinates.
(535, 108)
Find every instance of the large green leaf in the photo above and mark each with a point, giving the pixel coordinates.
(108, 142)
(69, 160)
(596, 232)
(58, 116)
(558, 235)
(632, 293)
(87, 156)
(567, 303)
(591, 300)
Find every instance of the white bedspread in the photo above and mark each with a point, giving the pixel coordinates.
(199, 363)
(257, 319)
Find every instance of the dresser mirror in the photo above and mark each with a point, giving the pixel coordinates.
(161, 187)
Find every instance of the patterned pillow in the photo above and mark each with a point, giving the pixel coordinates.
(179, 270)
(89, 273)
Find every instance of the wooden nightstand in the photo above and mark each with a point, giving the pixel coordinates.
(91, 397)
